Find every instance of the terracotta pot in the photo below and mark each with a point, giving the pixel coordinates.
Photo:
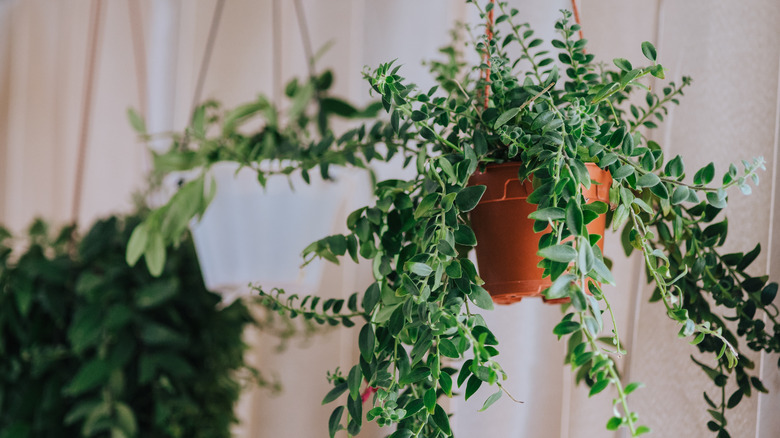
(507, 244)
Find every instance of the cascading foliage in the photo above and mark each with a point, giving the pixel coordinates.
(420, 312)
(552, 112)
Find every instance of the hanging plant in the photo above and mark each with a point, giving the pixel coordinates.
(259, 137)
(553, 121)
(419, 314)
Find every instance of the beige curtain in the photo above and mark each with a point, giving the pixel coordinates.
(732, 49)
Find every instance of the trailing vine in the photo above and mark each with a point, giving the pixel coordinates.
(553, 116)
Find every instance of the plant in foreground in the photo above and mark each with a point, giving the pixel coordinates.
(552, 117)
(418, 314)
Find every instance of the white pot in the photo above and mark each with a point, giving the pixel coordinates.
(254, 235)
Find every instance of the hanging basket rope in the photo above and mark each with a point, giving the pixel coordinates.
(93, 41)
(485, 74)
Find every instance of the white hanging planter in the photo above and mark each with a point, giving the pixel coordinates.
(254, 235)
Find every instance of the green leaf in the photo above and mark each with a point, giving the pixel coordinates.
(758, 385)
(623, 171)
(605, 92)
(558, 253)
(415, 375)
(748, 258)
(155, 254)
(480, 143)
(465, 236)
(648, 180)
(623, 64)
(715, 200)
(598, 387)
(631, 387)
(371, 297)
(429, 400)
(469, 197)
(735, 399)
(704, 175)
(335, 393)
(447, 349)
(590, 322)
(586, 257)
(137, 244)
(126, 419)
(355, 411)
(506, 116)
(546, 214)
(602, 271)
(334, 423)
(649, 51)
(91, 375)
(574, 218)
(566, 327)
(81, 410)
(366, 341)
(445, 380)
(643, 205)
(614, 423)
(492, 399)
(717, 416)
(560, 287)
(768, 294)
(426, 205)
(354, 380)
(597, 207)
(679, 195)
(641, 430)
(157, 292)
(472, 385)
(442, 420)
(420, 269)
(481, 297)
(136, 121)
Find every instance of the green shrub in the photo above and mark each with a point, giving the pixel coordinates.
(92, 347)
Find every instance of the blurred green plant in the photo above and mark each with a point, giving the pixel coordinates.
(91, 347)
(260, 136)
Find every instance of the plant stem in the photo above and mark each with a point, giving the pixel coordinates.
(277, 302)
(614, 323)
(659, 103)
(613, 374)
(525, 49)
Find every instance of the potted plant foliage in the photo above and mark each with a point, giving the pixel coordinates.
(262, 169)
(92, 347)
(579, 160)
(558, 125)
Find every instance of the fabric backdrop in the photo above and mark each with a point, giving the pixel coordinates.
(732, 49)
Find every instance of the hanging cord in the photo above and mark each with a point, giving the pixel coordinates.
(276, 54)
(577, 18)
(93, 39)
(139, 53)
(307, 48)
(486, 72)
(204, 63)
